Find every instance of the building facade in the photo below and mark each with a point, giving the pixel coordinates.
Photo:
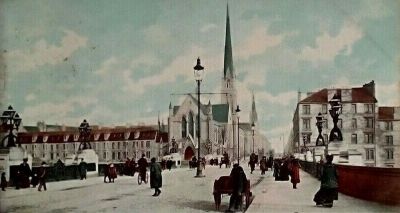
(388, 137)
(110, 144)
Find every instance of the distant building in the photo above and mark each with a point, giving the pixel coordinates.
(388, 137)
(110, 144)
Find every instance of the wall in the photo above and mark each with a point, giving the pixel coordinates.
(369, 183)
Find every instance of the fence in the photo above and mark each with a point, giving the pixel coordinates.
(369, 183)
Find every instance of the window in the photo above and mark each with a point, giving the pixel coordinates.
(113, 145)
(119, 145)
(369, 122)
(142, 144)
(389, 125)
(306, 138)
(51, 148)
(340, 123)
(324, 109)
(389, 154)
(51, 156)
(104, 155)
(148, 154)
(119, 155)
(113, 155)
(368, 137)
(191, 124)
(354, 138)
(104, 145)
(368, 108)
(325, 124)
(369, 154)
(306, 124)
(389, 140)
(306, 109)
(354, 108)
(56, 146)
(64, 146)
(354, 123)
(148, 144)
(184, 127)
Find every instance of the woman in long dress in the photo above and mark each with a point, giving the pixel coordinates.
(155, 177)
(329, 184)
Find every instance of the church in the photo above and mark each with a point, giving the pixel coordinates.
(221, 130)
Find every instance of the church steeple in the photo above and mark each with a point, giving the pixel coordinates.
(228, 59)
(253, 113)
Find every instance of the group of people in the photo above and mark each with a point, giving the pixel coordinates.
(167, 164)
(285, 167)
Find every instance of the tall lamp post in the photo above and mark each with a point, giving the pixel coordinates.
(320, 140)
(198, 76)
(252, 129)
(11, 121)
(84, 131)
(237, 114)
(336, 107)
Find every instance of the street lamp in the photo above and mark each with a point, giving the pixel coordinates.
(336, 107)
(11, 121)
(198, 76)
(320, 140)
(252, 129)
(84, 131)
(237, 114)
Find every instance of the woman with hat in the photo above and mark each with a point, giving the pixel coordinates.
(329, 184)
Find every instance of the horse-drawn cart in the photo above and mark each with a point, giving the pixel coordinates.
(224, 186)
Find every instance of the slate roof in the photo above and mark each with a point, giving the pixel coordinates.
(358, 95)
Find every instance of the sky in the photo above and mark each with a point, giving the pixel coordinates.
(120, 62)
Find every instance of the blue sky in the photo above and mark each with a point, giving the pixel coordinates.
(117, 62)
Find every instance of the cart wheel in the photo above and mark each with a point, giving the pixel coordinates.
(139, 179)
(147, 178)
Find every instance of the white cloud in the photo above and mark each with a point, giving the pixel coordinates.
(327, 47)
(257, 42)
(283, 98)
(157, 34)
(107, 66)
(30, 97)
(56, 112)
(388, 94)
(43, 53)
(208, 27)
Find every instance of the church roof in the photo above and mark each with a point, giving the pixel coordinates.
(220, 112)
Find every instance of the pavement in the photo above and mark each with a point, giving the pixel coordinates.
(181, 192)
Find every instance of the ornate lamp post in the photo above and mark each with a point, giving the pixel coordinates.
(84, 132)
(237, 114)
(252, 129)
(336, 108)
(320, 140)
(198, 76)
(11, 121)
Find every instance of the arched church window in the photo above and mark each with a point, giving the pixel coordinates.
(191, 124)
(228, 84)
(184, 130)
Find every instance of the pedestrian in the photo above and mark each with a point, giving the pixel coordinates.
(83, 169)
(42, 177)
(25, 173)
(263, 165)
(3, 181)
(239, 182)
(329, 184)
(252, 162)
(35, 180)
(155, 177)
(112, 173)
(295, 172)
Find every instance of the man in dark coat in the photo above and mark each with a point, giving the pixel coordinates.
(82, 169)
(252, 162)
(329, 184)
(155, 177)
(239, 180)
(25, 173)
(42, 177)
(142, 163)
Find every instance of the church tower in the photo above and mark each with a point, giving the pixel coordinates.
(228, 89)
(253, 113)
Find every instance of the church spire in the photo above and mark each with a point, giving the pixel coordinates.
(228, 59)
(253, 113)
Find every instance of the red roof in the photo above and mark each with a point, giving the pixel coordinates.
(386, 113)
(361, 95)
(318, 97)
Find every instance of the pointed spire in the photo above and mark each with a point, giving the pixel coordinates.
(159, 123)
(228, 59)
(253, 113)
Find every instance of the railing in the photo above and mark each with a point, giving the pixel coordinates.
(370, 183)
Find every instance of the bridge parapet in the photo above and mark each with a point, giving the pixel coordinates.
(369, 183)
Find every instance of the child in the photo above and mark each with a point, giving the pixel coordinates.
(3, 181)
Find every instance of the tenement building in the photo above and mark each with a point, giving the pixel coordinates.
(219, 126)
(370, 133)
(110, 144)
